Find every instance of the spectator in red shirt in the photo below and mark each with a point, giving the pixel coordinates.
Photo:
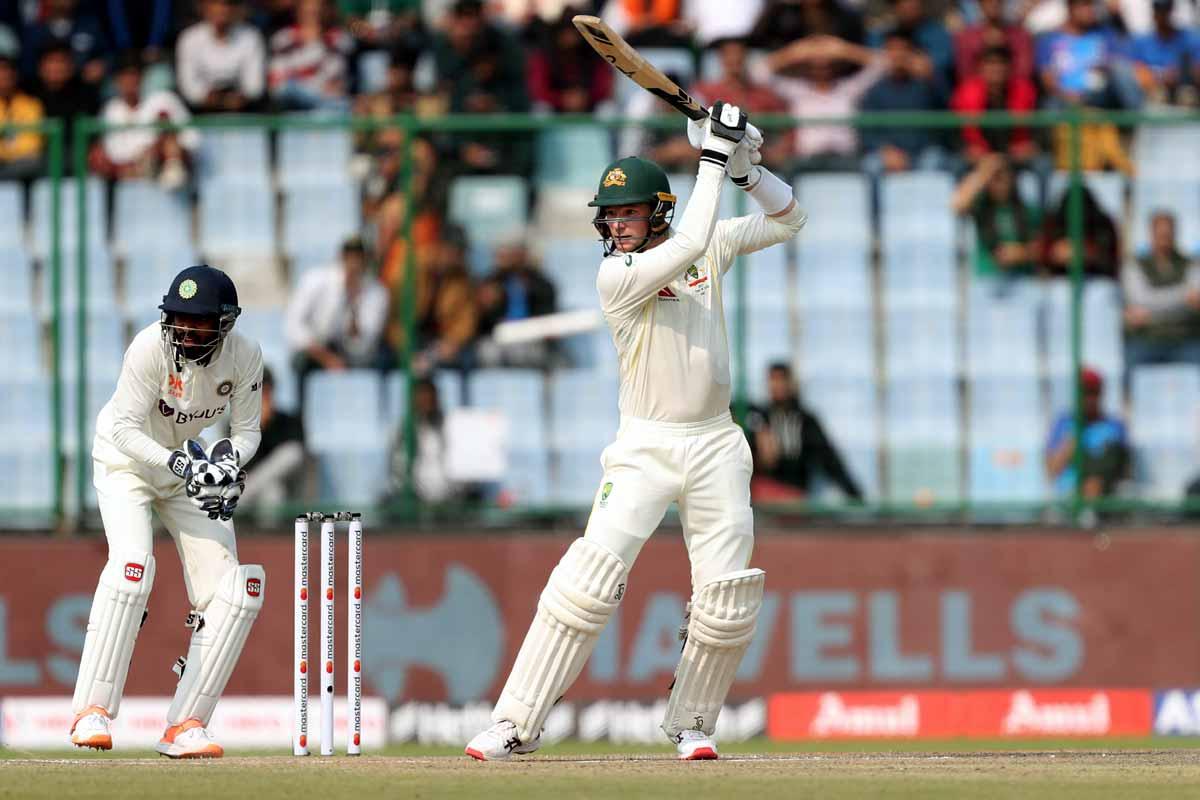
(996, 88)
(564, 73)
(993, 31)
(735, 86)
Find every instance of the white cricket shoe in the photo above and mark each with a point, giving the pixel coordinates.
(90, 729)
(499, 742)
(695, 746)
(189, 739)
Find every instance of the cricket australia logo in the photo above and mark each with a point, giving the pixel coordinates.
(605, 491)
(615, 177)
(695, 281)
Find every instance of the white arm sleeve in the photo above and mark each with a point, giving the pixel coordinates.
(136, 396)
(628, 280)
(245, 406)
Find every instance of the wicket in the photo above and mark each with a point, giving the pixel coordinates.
(354, 619)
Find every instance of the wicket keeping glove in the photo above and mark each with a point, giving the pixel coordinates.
(212, 476)
(182, 463)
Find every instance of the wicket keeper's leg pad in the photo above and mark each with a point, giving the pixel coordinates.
(720, 628)
(118, 610)
(582, 593)
(217, 642)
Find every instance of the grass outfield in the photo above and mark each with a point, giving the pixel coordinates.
(1033, 769)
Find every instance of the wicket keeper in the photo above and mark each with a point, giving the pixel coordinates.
(662, 294)
(179, 374)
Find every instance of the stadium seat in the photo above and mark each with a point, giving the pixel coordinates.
(1001, 332)
(320, 157)
(830, 275)
(101, 283)
(317, 219)
(583, 410)
(490, 209)
(767, 282)
(571, 265)
(236, 218)
(1163, 428)
(573, 156)
(148, 219)
(27, 415)
(148, 275)
(28, 484)
(12, 217)
(1180, 196)
(265, 325)
(42, 219)
(1102, 326)
(768, 339)
(576, 478)
(849, 412)
(518, 395)
(920, 274)
(234, 156)
(919, 342)
(1167, 151)
(837, 342)
(22, 339)
(916, 205)
(1107, 187)
(16, 276)
(342, 410)
(395, 401)
(838, 205)
(923, 441)
(97, 395)
(104, 346)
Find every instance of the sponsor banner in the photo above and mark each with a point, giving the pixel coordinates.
(44, 723)
(1177, 712)
(620, 722)
(1016, 713)
(444, 615)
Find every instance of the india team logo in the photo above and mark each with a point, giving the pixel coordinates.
(187, 289)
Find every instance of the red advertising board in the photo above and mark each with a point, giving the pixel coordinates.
(993, 714)
(445, 614)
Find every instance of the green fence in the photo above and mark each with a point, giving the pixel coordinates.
(72, 506)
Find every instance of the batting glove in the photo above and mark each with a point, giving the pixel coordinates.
(743, 163)
(695, 132)
(726, 128)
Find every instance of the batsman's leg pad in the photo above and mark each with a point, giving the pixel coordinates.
(720, 627)
(113, 623)
(582, 593)
(217, 643)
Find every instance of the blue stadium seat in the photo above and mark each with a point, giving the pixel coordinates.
(1180, 196)
(768, 339)
(1167, 151)
(574, 156)
(12, 217)
(838, 205)
(767, 281)
(830, 275)
(16, 276)
(265, 325)
(583, 410)
(234, 156)
(372, 71)
(1163, 428)
(921, 343)
(923, 441)
(577, 475)
(97, 395)
(148, 275)
(28, 484)
(42, 220)
(317, 219)
(342, 410)
(837, 342)
(101, 283)
(147, 218)
(920, 273)
(1002, 332)
(916, 205)
(1006, 473)
(571, 265)
(849, 412)
(320, 157)
(518, 395)
(1102, 327)
(22, 346)
(104, 347)
(490, 209)
(27, 415)
(1107, 187)
(395, 401)
(236, 218)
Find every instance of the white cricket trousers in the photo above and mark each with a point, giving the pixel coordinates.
(206, 546)
(703, 466)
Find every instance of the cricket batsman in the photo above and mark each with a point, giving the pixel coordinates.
(178, 375)
(662, 291)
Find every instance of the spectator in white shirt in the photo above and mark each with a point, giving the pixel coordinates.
(307, 71)
(336, 316)
(144, 152)
(220, 63)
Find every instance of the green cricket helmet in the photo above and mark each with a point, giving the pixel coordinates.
(628, 181)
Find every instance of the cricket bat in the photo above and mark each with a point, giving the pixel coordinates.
(624, 59)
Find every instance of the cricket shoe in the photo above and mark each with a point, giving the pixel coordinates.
(189, 739)
(499, 742)
(695, 746)
(90, 729)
